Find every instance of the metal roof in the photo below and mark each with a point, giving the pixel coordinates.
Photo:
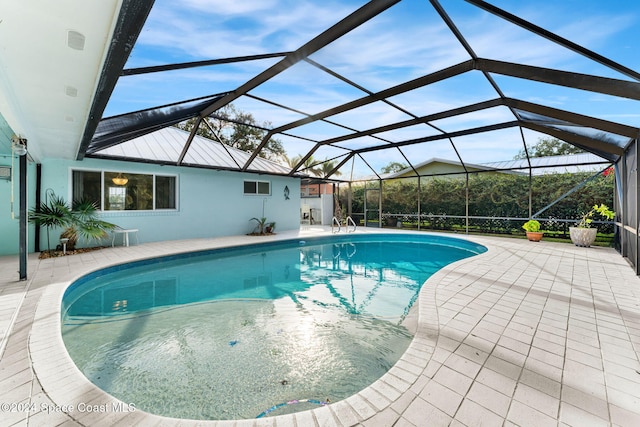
(165, 146)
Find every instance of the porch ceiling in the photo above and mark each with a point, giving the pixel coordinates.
(51, 57)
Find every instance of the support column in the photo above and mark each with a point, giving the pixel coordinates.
(466, 202)
(530, 193)
(36, 234)
(23, 217)
(380, 204)
(349, 200)
(419, 202)
(637, 206)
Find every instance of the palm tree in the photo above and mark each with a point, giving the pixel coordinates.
(327, 167)
(309, 166)
(292, 161)
(79, 220)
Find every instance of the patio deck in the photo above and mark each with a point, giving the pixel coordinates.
(527, 334)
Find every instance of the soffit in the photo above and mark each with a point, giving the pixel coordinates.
(51, 56)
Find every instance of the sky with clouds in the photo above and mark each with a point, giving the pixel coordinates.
(405, 42)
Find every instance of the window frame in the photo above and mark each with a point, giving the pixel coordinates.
(125, 172)
(257, 183)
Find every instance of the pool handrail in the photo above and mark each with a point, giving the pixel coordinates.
(350, 220)
(335, 221)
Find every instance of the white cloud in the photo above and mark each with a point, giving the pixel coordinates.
(229, 8)
(387, 53)
(219, 29)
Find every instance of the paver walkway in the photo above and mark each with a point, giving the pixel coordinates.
(526, 334)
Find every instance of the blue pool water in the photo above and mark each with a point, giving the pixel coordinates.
(237, 332)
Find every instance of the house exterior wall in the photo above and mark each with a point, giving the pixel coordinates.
(327, 208)
(320, 208)
(210, 203)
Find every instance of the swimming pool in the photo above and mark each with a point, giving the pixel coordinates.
(241, 332)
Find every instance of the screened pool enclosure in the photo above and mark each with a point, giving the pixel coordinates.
(348, 88)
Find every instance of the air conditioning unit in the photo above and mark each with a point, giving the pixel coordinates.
(5, 172)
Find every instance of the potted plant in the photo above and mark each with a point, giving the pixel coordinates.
(583, 234)
(532, 227)
(78, 220)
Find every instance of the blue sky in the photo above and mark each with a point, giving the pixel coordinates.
(404, 42)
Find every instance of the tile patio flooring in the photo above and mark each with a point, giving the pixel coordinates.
(526, 334)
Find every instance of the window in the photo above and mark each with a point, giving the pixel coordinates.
(257, 187)
(116, 198)
(117, 191)
(86, 185)
(165, 192)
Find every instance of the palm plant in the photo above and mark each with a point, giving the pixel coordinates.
(79, 220)
(262, 223)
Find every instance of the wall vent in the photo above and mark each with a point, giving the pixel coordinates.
(75, 40)
(71, 91)
(5, 172)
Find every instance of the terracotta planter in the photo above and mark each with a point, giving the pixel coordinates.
(583, 236)
(534, 236)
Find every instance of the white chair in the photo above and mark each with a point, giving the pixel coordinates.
(125, 235)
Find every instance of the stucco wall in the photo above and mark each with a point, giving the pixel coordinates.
(322, 208)
(210, 203)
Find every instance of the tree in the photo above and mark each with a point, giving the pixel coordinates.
(548, 147)
(237, 129)
(327, 166)
(203, 130)
(393, 167)
(309, 166)
(312, 166)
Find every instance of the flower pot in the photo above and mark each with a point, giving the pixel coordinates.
(583, 236)
(534, 236)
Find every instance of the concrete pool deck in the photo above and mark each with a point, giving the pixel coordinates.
(526, 334)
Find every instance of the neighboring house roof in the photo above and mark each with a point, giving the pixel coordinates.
(434, 163)
(571, 163)
(166, 145)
